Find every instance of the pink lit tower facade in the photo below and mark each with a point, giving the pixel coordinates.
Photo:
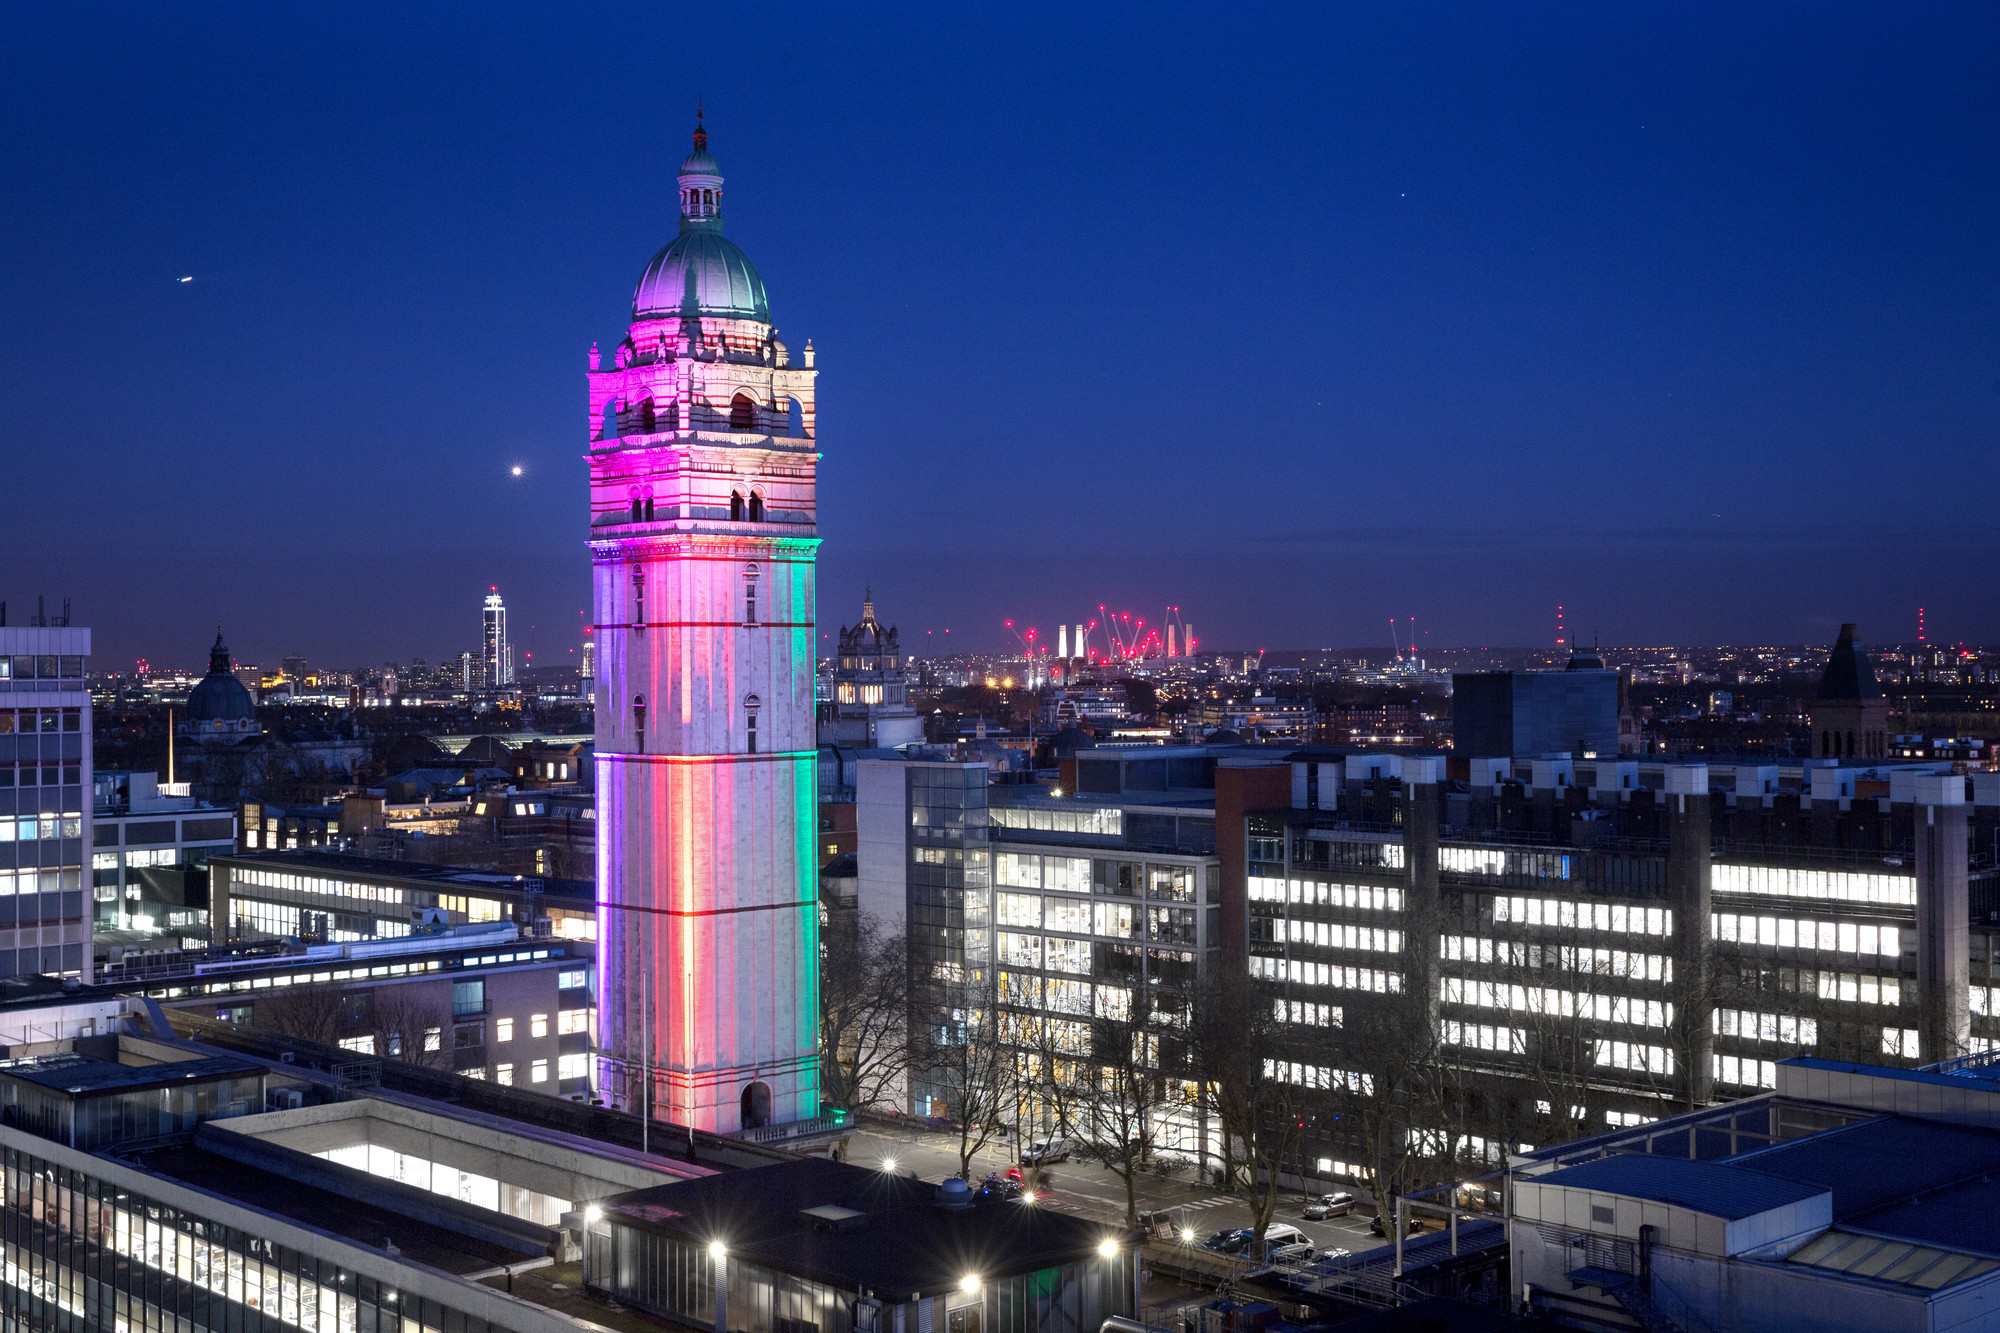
(703, 538)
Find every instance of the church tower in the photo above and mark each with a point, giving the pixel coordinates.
(703, 540)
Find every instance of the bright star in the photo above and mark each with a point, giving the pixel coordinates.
(517, 469)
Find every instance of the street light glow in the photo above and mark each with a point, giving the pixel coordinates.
(1107, 1248)
(889, 1165)
(970, 1282)
(593, 1213)
(717, 1251)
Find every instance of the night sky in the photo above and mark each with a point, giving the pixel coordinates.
(1299, 318)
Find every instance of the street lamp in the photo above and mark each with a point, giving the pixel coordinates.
(969, 1283)
(889, 1166)
(719, 1253)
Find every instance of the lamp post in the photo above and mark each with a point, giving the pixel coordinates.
(719, 1253)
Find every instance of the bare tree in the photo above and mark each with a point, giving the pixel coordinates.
(1110, 1104)
(1245, 1066)
(967, 1064)
(864, 1016)
(309, 1013)
(413, 1023)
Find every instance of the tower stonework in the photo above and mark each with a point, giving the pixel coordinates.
(703, 539)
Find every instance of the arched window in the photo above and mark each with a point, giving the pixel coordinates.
(646, 415)
(736, 506)
(635, 509)
(639, 601)
(649, 509)
(750, 706)
(639, 720)
(750, 595)
(756, 507)
(795, 419)
(742, 413)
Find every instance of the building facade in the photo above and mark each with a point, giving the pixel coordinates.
(45, 805)
(869, 704)
(703, 457)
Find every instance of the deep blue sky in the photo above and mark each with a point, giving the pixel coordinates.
(1298, 317)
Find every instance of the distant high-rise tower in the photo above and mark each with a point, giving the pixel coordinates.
(587, 668)
(495, 656)
(703, 462)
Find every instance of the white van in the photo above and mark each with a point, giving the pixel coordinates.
(1043, 1151)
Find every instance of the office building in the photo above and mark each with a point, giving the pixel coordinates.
(703, 458)
(150, 844)
(869, 705)
(324, 897)
(45, 807)
(484, 1002)
(1537, 713)
(496, 655)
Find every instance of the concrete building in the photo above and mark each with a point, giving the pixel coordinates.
(323, 897)
(147, 838)
(868, 705)
(45, 806)
(1537, 713)
(703, 456)
(1851, 1196)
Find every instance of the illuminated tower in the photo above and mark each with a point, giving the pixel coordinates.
(497, 658)
(702, 462)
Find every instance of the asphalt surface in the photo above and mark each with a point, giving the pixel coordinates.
(1089, 1190)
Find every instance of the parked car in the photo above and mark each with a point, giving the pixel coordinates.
(1044, 1151)
(1329, 1205)
(1227, 1242)
(1376, 1227)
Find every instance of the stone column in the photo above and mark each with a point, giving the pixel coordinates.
(1423, 905)
(1688, 879)
(1943, 917)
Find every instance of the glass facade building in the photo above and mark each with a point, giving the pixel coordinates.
(45, 805)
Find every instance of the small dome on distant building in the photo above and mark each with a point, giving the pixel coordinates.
(219, 705)
(1069, 740)
(1224, 737)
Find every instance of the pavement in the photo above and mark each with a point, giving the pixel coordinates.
(1089, 1190)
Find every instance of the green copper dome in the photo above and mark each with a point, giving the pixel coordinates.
(701, 272)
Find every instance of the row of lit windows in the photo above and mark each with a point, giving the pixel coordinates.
(1567, 958)
(1319, 1076)
(339, 888)
(1744, 1071)
(1903, 1042)
(1060, 995)
(282, 919)
(1066, 914)
(14, 882)
(1321, 893)
(1065, 1035)
(1753, 1026)
(1025, 870)
(1336, 935)
(1633, 1056)
(1491, 861)
(1061, 955)
(1101, 823)
(1786, 932)
(1331, 975)
(1482, 1037)
(1309, 1014)
(1835, 885)
(1861, 988)
(1556, 1003)
(29, 828)
(1568, 914)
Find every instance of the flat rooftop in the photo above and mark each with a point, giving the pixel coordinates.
(85, 1075)
(904, 1241)
(351, 1217)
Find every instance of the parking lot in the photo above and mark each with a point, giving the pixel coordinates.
(1092, 1191)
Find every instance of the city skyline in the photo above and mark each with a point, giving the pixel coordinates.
(1644, 314)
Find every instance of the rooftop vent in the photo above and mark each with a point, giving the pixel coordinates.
(832, 1217)
(954, 1193)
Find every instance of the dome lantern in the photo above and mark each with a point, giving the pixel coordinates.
(701, 271)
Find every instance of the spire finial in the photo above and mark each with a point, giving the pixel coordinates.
(700, 130)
